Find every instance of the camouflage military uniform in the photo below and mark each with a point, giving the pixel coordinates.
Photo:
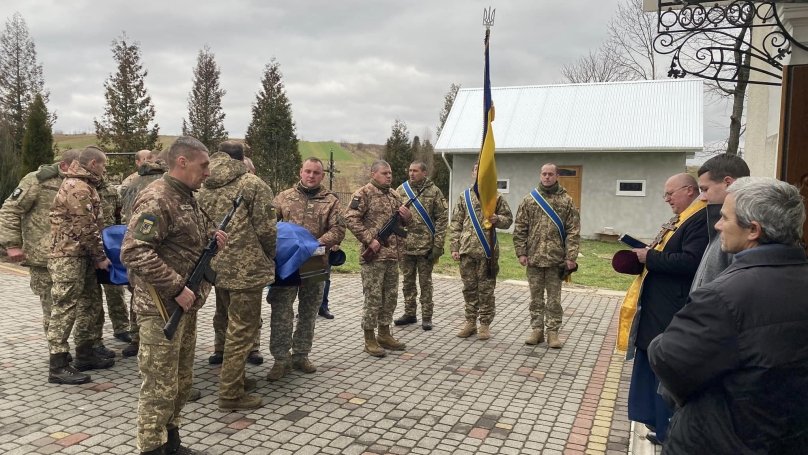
(371, 207)
(419, 254)
(146, 174)
(110, 203)
(165, 237)
(25, 223)
(317, 210)
(76, 222)
(478, 285)
(537, 237)
(245, 265)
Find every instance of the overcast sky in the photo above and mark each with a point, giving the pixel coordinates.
(350, 67)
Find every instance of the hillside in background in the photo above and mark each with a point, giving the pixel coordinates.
(352, 161)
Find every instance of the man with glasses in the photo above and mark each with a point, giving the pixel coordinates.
(669, 265)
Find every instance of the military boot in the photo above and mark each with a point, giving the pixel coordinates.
(158, 451)
(217, 358)
(553, 341)
(254, 357)
(194, 394)
(250, 384)
(246, 401)
(426, 323)
(60, 371)
(535, 337)
(302, 363)
(484, 333)
(405, 319)
(372, 346)
(175, 447)
(131, 349)
(386, 340)
(88, 359)
(468, 330)
(278, 370)
(103, 352)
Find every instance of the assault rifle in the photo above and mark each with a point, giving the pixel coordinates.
(392, 226)
(202, 270)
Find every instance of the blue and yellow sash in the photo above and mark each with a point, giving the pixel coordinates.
(477, 227)
(419, 207)
(552, 214)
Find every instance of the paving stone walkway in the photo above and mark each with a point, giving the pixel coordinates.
(442, 395)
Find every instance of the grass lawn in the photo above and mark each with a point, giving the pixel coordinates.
(321, 150)
(594, 264)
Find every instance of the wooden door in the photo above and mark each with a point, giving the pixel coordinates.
(793, 163)
(570, 178)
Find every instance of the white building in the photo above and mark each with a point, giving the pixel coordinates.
(615, 145)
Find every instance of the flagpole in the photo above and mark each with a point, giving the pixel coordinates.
(488, 22)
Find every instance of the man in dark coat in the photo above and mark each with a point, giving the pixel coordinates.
(736, 357)
(670, 264)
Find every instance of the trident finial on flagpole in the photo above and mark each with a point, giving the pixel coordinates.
(488, 17)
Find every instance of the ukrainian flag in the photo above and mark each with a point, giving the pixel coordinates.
(486, 185)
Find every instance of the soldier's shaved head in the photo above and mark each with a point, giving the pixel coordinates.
(186, 146)
(141, 156)
(69, 155)
(91, 153)
(233, 148)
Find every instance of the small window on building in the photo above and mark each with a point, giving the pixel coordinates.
(504, 186)
(566, 172)
(630, 188)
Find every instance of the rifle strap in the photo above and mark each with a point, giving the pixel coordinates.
(419, 207)
(158, 302)
(478, 229)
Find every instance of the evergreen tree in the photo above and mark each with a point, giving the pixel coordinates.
(205, 114)
(20, 77)
(37, 144)
(398, 152)
(440, 173)
(9, 160)
(124, 127)
(271, 134)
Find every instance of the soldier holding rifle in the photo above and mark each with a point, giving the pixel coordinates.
(371, 208)
(165, 236)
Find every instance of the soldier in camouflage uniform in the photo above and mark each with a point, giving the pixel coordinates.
(111, 205)
(148, 172)
(317, 209)
(244, 268)
(370, 208)
(76, 252)
(141, 157)
(479, 274)
(25, 226)
(423, 245)
(539, 246)
(165, 237)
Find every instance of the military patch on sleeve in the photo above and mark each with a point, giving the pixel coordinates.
(16, 193)
(146, 228)
(355, 203)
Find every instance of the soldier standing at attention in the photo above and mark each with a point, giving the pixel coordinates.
(317, 209)
(76, 252)
(546, 238)
(243, 268)
(370, 208)
(164, 239)
(146, 174)
(25, 229)
(478, 259)
(424, 243)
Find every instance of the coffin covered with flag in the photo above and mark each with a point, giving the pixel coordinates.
(298, 256)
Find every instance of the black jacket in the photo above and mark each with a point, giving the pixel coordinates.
(736, 359)
(670, 274)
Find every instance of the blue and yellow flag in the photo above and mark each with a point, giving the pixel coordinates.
(486, 185)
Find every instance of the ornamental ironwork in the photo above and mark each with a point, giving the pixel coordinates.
(714, 40)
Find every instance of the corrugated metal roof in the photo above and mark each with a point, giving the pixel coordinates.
(656, 115)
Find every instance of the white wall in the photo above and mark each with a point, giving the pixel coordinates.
(600, 207)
